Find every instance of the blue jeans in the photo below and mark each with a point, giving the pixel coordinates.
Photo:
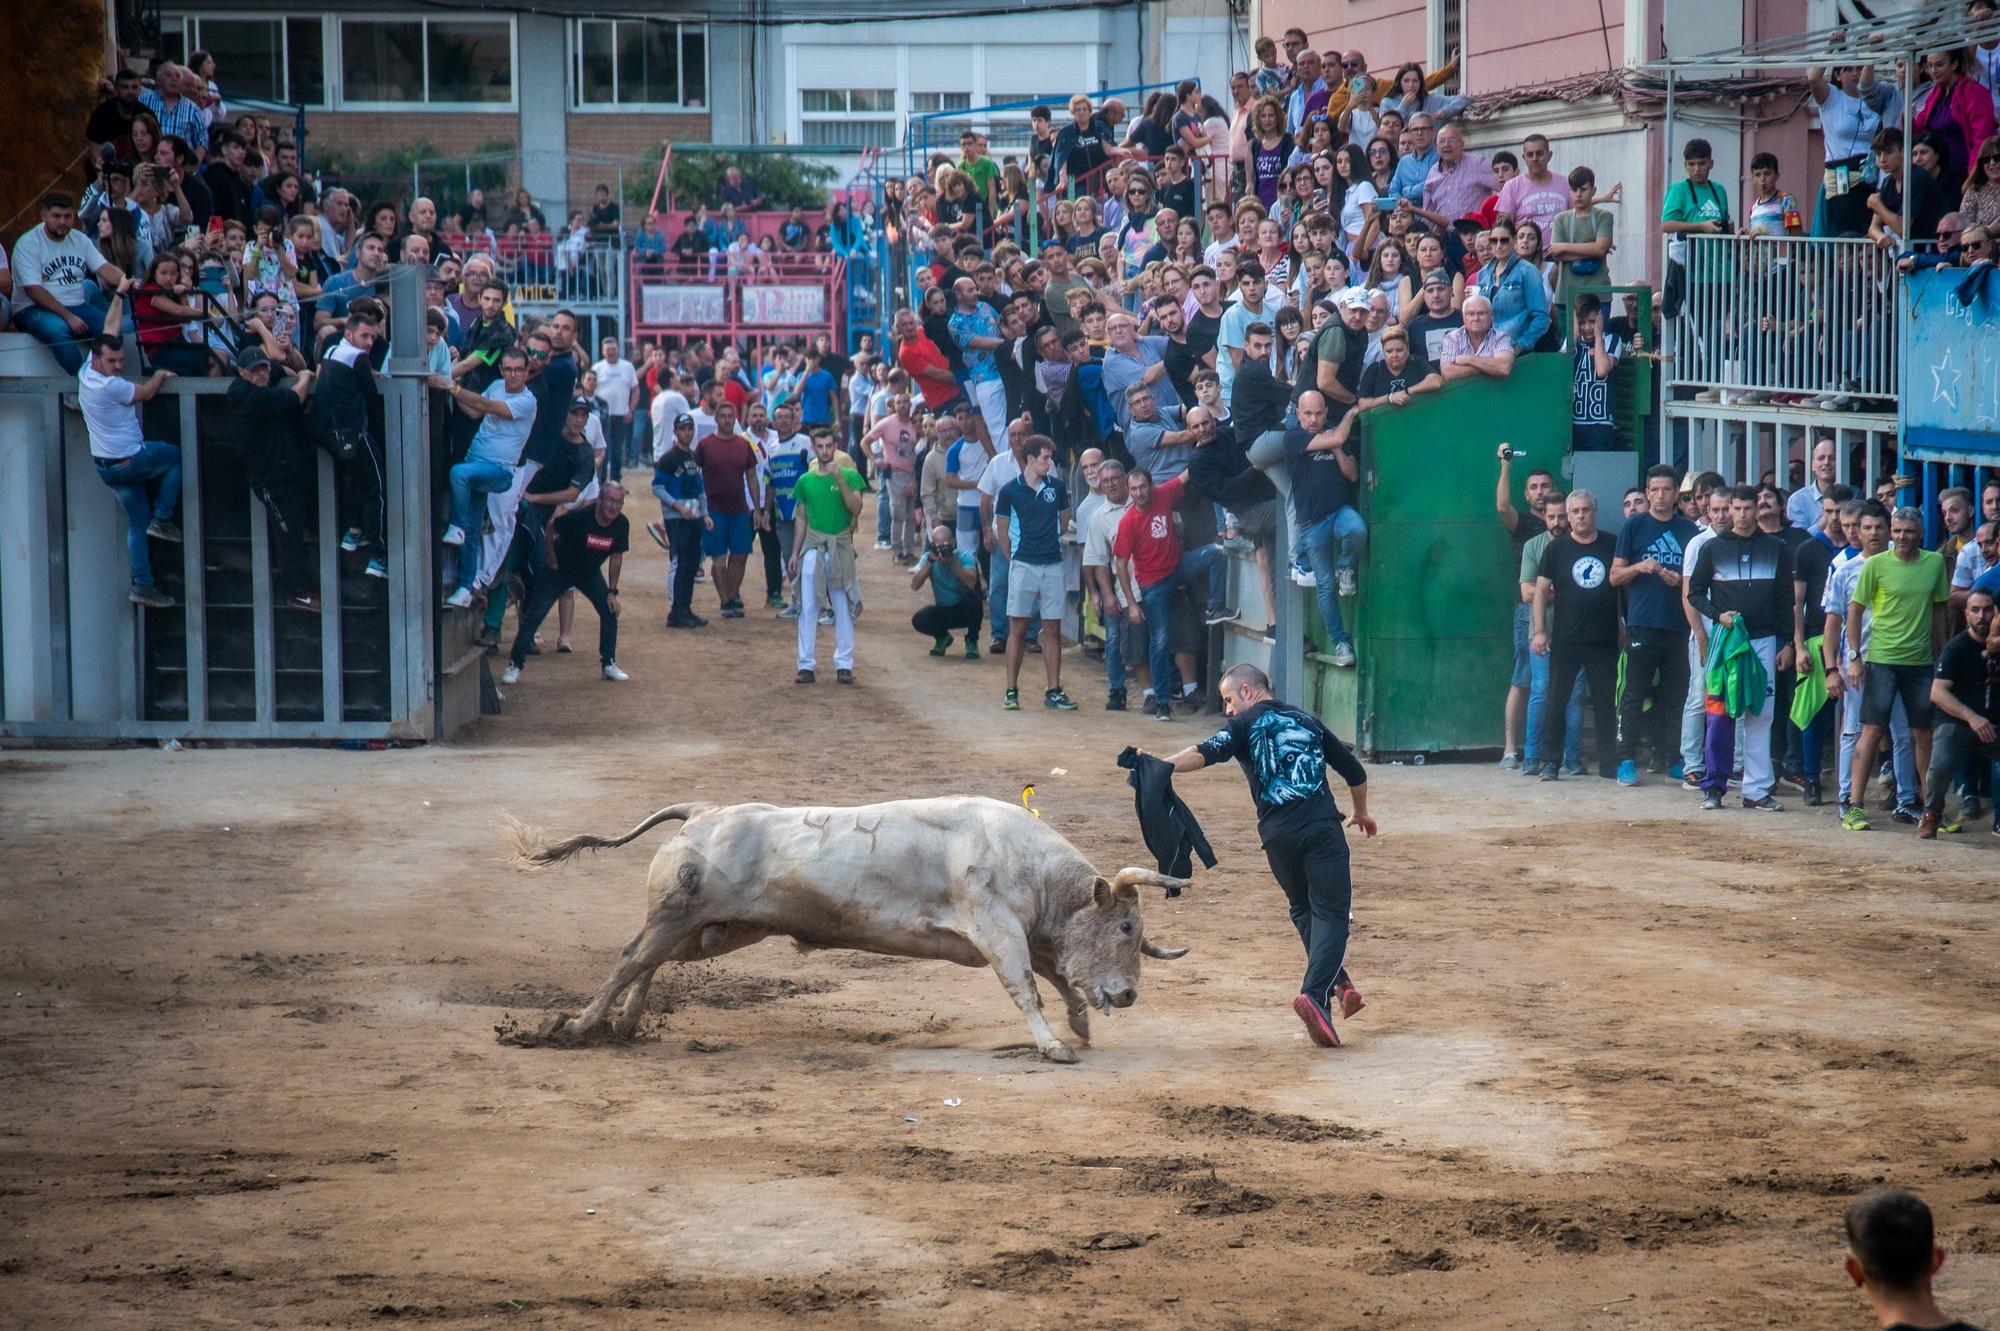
(50, 330)
(471, 482)
(1211, 562)
(1114, 651)
(1333, 543)
(1156, 603)
(131, 479)
(1538, 695)
(884, 510)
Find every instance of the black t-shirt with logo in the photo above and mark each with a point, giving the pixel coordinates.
(1379, 381)
(583, 544)
(1972, 675)
(1585, 612)
(1428, 330)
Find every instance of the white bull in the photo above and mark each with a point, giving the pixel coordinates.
(958, 878)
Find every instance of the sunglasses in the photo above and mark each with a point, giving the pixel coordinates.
(1350, 64)
(536, 354)
(1990, 159)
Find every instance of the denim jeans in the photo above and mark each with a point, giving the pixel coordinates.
(1114, 651)
(1902, 749)
(48, 328)
(471, 482)
(1333, 543)
(1210, 562)
(1538, 696)
(131, 480)
(1156, 603)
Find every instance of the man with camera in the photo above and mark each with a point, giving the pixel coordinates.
(954, 579)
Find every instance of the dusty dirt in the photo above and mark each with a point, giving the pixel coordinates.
(1621, 1064)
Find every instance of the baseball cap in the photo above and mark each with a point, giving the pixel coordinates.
(1353, 298)
(683, 419)
(1437, 277)
(581, 404)
(251, 356)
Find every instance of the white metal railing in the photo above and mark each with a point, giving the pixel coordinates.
(1785, 315)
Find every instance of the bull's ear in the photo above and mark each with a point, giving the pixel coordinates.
(1101, 893)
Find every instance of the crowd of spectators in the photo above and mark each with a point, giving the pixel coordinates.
(1163, 327)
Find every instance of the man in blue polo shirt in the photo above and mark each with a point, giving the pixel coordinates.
(1032, 506)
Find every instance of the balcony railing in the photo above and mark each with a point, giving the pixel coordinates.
(1786, 315)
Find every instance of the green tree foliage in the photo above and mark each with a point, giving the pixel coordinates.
(696, 178)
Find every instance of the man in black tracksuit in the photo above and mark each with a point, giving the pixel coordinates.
(1285, 753)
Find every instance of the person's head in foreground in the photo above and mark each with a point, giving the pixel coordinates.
(1892, 1253)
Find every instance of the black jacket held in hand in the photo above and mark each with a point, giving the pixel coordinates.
(1169, 826)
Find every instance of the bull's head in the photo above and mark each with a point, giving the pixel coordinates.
(1105, 939)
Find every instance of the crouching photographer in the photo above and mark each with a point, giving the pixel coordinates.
(957, 604)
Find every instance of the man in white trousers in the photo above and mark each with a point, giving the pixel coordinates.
(828, 497)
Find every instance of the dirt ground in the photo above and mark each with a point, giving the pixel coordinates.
(1621, 1064)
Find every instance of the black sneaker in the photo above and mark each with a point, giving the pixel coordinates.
(1163, 712)
(1692, 778)
(162, 530)
(1769, 804)
(488, 637)
(1815, 795)
(803, 677)
(843, 676)
(1114, 701)
(1907, 814)
(1712, 800)
(1193, 702)
(151, 597)
(1551, 774)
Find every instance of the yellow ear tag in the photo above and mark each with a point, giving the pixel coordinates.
(1027, 792)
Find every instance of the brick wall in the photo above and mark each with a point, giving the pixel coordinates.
(641, 136)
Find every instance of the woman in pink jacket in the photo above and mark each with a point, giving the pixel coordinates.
(1957, 109)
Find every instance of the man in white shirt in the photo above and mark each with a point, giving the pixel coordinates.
(145, 475)
(59, 269)
(1102, 586)
(669, 405)
(1803, 504)
(783, 455)
(618, 390)
(508, 408)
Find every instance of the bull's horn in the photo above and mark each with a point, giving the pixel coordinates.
(1158, 953)
(1136, 877)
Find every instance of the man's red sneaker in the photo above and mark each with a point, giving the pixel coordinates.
(1318, 1025)
(1350, 1001)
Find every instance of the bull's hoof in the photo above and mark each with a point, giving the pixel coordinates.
(1079, 1022)
(1058, 1053)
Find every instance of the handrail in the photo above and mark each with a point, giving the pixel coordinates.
(659, 184)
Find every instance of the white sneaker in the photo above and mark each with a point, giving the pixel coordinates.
(454, 535)
(1343, 655)
(613, 673)
(1304, 576)
(460, 599)
(1343, 579)
(511, 675)
(882, 545)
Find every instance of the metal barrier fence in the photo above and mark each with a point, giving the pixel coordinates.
(1785, 315)
(781, 296)
(232, 659)
(541, 271)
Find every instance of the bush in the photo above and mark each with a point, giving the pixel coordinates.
(696, 178)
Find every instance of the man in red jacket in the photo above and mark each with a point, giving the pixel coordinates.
(925, 364)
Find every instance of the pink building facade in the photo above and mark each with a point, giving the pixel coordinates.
(1506, 45)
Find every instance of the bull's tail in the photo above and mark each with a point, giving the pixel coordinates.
(533, 851)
